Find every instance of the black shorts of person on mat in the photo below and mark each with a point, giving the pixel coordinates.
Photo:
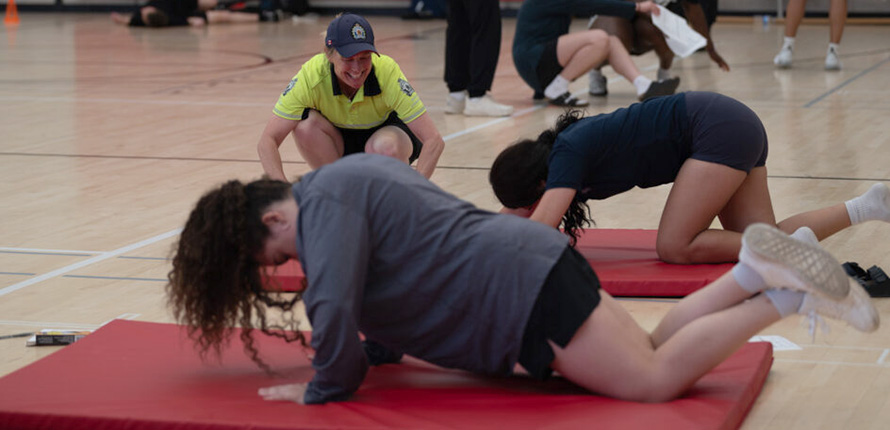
(567, 298)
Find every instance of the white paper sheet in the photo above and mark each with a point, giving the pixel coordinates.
(680, 37)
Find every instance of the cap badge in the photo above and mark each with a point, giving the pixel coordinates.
(358, 32)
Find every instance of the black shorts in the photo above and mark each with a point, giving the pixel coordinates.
(725, 131)
(354, 140)
(568, 297)
(548, 66)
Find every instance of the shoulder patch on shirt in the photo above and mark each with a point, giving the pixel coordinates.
(290, 86)
(406, 87)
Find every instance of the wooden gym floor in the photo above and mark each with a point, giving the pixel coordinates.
(108, 135)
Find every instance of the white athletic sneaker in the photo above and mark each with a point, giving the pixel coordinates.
(453, 105)
(831, 60)
(597, 84)
(783, 58)
(855, 309)
(486, 106)
(784, 262)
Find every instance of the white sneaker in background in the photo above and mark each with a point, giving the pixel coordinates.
(831, 60)
(486, 106)
(783, 58)
(455, 105)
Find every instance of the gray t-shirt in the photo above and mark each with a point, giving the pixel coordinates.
(389, 254)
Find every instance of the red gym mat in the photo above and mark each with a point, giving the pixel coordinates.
(138, 375)
(624, 260)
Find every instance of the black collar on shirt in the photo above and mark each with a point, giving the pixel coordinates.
(372, 86)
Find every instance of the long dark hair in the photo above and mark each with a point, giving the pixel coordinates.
(216, 283)
(519, 174)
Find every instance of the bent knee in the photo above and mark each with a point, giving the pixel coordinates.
(598, 37)
(676, 253)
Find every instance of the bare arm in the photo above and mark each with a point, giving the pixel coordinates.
(523, 212)
(275, 132)
(433, 144)
(695, 15)
(553, 205)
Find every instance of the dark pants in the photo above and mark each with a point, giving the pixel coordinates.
(472, 45)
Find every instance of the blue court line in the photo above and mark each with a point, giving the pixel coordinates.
(17, 273)
(845, 83)
(115, 278)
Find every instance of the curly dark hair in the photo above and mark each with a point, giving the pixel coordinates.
(519, 174)
(216, 282)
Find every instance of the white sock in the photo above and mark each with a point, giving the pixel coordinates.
(805, 235)
(787, 302)
(833, 47)
(788, 43)
(748, 278)
(557, 87)
(594, 73)
(642, 84)
(459, 95)
(873, 205)
(663, 74)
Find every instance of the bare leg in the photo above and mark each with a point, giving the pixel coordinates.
(793, 15)
(603, 357)
(719, 295)
(701, 191)
(318, 140)
(837, 17)
(390, 141)
(579, 52)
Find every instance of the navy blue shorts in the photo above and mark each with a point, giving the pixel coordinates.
(568, 297)
(725, 131)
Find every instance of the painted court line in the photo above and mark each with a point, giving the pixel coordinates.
(46, 251)
(87, 262)
(845, 83)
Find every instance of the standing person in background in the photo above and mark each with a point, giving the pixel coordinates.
(837, 17)
(472, 48)
(350, 99)
(640, 36)
(548, 57)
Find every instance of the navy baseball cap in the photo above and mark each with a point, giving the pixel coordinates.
(350, 34)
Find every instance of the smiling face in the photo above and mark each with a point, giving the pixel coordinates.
(352, 71)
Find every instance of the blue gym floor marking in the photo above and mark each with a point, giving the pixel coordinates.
(845, 83)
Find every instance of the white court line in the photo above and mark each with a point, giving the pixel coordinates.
(883, 356)
(87, 262)
(44, 324)
(49, 324)
(130, 101)
(47, 251)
